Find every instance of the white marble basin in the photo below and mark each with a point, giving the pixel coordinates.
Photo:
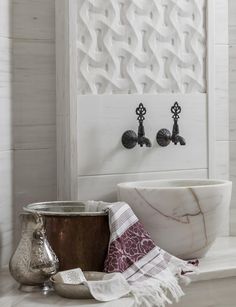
(183, 217)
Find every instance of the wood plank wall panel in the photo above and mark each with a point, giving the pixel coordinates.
(221, 94)
(34, 109)
(232, 107)
(5, 18)
(103, 119)
(104, 186)
(6, 229)
(88, 164)
(35, 102)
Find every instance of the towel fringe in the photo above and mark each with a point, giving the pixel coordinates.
(154, 292)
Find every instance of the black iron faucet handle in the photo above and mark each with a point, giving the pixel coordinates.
(176, 110)
(141, 111)
(164, 136)
(130, 138)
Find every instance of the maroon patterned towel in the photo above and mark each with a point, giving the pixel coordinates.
(150, 271)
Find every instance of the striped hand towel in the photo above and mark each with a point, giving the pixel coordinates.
(152, 273)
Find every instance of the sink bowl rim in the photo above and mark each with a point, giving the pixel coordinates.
(199, 183)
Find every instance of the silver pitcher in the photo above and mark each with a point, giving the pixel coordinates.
(34, 261)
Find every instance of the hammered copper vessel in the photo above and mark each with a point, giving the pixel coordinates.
(79, 238)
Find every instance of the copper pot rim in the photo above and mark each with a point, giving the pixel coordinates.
(41, 208)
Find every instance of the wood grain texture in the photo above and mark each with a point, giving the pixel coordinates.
(232, 107)
(34, 19)
(232, 92)
(5, 18)
(34, 179)
(103, 187)
(34, 108)
(221, 22)
(102, 121)
(233, 171)
(222, 92)
(34, 137)
(232, 22)
(34, 89)
(222, 160)
(66, 58)
(222, 172)
(233, 220)
(5, 93)
(6, 216)
(210, 67)
(6, 194)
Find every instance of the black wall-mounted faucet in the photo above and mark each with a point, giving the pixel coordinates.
(130, 139)
(164, 137)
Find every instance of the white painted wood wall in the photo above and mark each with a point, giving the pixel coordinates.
(5, 133)
(102, 164)
(232, 107)
(27, 44)
(34, 106)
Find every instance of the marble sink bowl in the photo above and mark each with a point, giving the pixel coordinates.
(183, 217)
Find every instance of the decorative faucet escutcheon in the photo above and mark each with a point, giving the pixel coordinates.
(164, 137)
(130, 139)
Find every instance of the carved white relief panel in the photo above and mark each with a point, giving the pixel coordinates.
(141, 46)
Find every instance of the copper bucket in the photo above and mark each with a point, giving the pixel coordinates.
(79, 238)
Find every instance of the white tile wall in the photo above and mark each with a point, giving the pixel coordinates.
(6, 228)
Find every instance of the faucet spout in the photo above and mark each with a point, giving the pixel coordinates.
(179, 139)
(144, 141)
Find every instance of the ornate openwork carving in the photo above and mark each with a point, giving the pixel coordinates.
(141, 46)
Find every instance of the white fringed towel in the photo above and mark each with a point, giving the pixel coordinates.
(150, 271)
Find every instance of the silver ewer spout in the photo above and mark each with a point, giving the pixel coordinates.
(34, 261)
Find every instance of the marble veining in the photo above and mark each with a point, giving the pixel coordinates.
(184, 220)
